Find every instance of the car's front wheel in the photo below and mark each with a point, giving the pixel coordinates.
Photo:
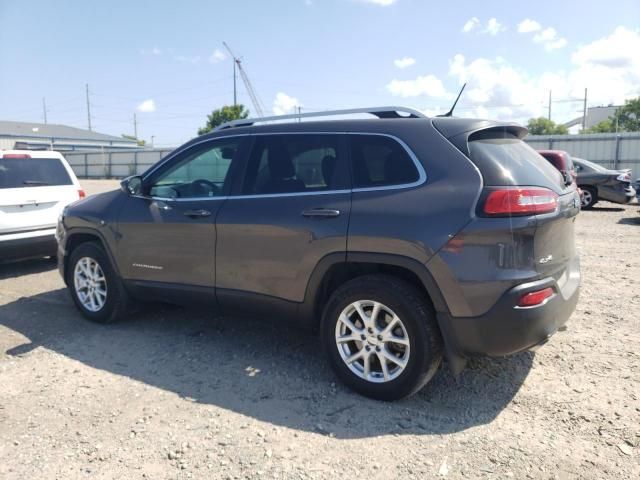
(381, 337)
(94, 285)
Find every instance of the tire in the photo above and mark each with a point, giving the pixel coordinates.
(590, 197)
(106, 308)
(417, 329)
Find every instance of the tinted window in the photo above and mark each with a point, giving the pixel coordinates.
(380, 161)
(293, 163)
(504, 159)
(32, 172)
(201, 172)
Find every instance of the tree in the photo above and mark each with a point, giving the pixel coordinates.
(222, 115)
(605, 126)
(629, 116)
(141, 143)
(544, 126)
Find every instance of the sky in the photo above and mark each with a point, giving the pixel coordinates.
(165, 61)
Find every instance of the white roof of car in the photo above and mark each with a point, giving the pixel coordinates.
(33, 153)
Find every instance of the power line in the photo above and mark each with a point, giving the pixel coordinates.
(88, 107)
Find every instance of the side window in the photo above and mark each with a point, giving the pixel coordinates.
(380, 161)
(202, 172)
(294, 163)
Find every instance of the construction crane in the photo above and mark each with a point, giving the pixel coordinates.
(257, 104)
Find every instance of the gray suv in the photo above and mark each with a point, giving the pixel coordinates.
(400, 239)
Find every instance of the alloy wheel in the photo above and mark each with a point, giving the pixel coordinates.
(90, 284)
(372, 341)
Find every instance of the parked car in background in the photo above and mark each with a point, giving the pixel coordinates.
(562, 161)
(34, 188)
(399, 239)
(600, 183)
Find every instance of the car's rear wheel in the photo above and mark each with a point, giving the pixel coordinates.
(381, 337)
(589, 197)
(94, 286)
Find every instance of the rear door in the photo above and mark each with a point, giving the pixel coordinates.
(167, 235)
(33, 192)
(291, 210)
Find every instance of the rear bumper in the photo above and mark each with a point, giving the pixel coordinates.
(617, 195)
(507, 329)
(40, 245)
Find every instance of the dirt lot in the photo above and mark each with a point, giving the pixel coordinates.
(173, 393)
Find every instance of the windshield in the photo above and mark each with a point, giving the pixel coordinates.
(32, 172)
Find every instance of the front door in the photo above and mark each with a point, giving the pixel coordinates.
(167, 235)
(291, 211)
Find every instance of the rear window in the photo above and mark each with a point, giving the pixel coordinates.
(32, 172)
(505, 160)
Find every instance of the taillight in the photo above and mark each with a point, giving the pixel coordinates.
(81, 194)
(506, 202)
(532, 299)
(16, 155)
(624, 177)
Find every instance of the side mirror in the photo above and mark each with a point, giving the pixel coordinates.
(132, 185)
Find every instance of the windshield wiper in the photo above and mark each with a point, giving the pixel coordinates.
(34, 182)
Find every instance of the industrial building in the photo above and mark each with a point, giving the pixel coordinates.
(47, 136)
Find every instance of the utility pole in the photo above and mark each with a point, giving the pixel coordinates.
(135, 126)
(299, 108)
(549, 114)
(44, 110)
(584, 110)
(152, 137)
(88, 107)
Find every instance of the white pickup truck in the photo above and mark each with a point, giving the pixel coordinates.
(35, 186)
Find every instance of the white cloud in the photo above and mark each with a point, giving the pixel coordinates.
(404, 62)
(156, 51)
(147, 106)
(471, 24)
(550, 39)
(528, 26)
(217, 56)
(609, 67)
(621, 49)
(284, 104)
(429, 85)
(308, 3)
(382, 3)
(186, 59)
(493, 27)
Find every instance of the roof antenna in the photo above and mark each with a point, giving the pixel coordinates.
(450, 112)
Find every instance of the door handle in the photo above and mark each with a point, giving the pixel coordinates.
(321, 213)
(197, 213)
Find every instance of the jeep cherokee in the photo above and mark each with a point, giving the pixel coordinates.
(400, 239)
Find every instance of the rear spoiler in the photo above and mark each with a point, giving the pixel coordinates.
(459, 130)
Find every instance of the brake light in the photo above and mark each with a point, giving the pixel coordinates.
(81, 194)
(532, 299)
(520, 201)
(16, 155)
(624, 177)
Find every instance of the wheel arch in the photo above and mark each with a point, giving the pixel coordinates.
(77, 237)
(337, 268)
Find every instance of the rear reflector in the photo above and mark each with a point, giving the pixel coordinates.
(532, 299)
(81, 193)
(505, 202)
(16, 155)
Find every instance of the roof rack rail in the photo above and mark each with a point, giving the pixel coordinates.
(380, 112)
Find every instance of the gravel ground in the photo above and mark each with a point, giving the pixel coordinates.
(173, 393)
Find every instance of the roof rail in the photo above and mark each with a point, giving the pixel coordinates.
(380, 112)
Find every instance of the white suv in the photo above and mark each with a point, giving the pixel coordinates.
(35, 186)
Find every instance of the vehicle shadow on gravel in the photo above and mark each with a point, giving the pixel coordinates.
(272, 373)
(630, 220)
(26, 267)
